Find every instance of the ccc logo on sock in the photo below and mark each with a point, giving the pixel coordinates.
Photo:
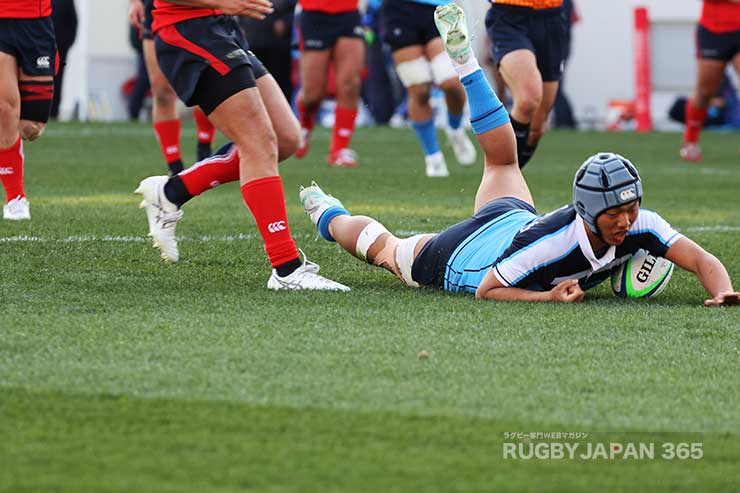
(276, 226)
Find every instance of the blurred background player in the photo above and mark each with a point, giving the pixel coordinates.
(28, 58)
(165, 120)
(330, 32)
(64, 17)
(718, 43)
(528, 46)
(420, 59)
(499, 252)
(204, 55)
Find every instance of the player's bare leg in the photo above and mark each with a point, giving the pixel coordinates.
(736, 64)
(708, 81)
(539, 119)
(349, 59)
(11, 156)
(314, 70)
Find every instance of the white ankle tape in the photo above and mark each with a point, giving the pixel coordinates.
(368, 235)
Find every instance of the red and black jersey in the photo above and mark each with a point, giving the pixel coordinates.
(329, 6)
(166, 14)
(25, 9)
(720, 16)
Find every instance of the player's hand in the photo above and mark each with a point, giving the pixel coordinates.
(136, 13)
(567, 292)
(256, 9)
(724, 299)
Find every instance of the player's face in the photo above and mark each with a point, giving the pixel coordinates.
(614, 223)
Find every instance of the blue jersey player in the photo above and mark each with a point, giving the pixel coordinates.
(506, 251)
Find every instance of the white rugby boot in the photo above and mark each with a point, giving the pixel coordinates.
(315, 201)
(451, 24)
(462, 146)
(436, 167)
(162, 215)
(305, 277)
(17, 209)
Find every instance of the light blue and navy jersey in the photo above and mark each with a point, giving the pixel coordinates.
(431, 2)
(555, 247)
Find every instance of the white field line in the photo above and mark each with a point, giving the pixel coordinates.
(90, 238)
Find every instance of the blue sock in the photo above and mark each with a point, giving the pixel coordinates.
(326, 218)
(427, 135)
(486, 111)
(454, 120)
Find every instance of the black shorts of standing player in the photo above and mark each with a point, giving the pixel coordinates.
(320, 31)
(542, 32)
(407, 23)
(206, 60)
(32, 43)
(717, 46)
(146, 25)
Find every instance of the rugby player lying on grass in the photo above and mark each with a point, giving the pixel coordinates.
(505, 251)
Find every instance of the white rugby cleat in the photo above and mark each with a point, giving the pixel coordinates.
(17, 209)
(162, 216)
(436, 167)
(451, 24)
(462, 146)
(305, 277)
(315, 201)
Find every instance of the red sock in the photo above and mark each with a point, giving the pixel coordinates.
(344, 127)
(694, 122)
(206, 130)
(11, 170)
(212, 172)
(265, 199)
(168, 135)
(306, 117)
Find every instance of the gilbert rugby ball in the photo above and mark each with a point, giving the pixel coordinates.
(642, 276)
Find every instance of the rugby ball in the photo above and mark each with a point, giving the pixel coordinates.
(642, 276)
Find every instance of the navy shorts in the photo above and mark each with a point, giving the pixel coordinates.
(146, 26)
(405, 23)
(32, 43)
(543, 32)
(206, 60)
(430, 264)
(320, 31)
(716, 46)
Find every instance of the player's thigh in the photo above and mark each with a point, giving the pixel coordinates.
(709, 74)
(349, 58)
(159, 83)
(539, 120)
(244, 120)
(520, 72)
(434, 48)
(10, 99)
(286, 126)
(314, 72)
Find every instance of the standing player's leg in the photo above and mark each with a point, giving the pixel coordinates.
(444, 76)
(501, 174)
(736, 64)
(349, 59)
(538, 124)
(708, 81)
(206, 132)
(165, 120)
(11, 147)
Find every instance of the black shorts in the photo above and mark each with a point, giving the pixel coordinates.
(430, 264)
(206, 60)
(320, 31)
(716, 46)
(543, 32)
(32, 43)
(146, 26)
(405, 23)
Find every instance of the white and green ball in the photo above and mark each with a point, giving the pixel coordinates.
(642, 276)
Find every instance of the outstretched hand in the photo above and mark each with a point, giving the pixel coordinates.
(724, 299)
(567, 292)
(256, 9)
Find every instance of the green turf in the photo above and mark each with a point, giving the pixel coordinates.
(121, 373)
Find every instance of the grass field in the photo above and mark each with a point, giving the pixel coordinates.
(120, 373)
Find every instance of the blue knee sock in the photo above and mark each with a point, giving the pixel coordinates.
(326, 218)
(486, 111)
(454, 121)
(427, 136)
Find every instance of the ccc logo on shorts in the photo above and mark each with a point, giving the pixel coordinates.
(276, 226)
(43, 62)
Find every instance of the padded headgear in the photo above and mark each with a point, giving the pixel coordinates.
(603, 181)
